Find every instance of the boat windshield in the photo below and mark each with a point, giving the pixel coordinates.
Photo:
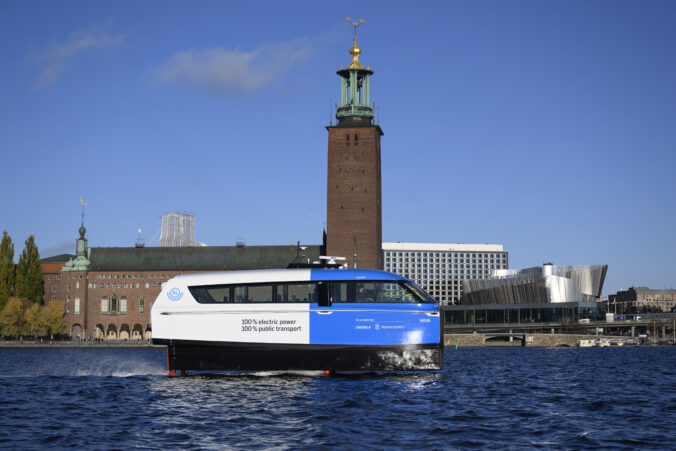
(390, 291)
(422, 293)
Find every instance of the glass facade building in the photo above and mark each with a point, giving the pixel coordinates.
(440, 269)
(539, 295)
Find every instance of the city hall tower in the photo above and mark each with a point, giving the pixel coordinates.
(354, 210)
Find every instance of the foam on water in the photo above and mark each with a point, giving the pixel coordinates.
(60, 362)
(409, 360)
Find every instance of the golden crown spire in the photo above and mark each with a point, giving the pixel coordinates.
(355, 51)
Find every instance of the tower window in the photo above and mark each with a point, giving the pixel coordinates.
(347, 140)
(356, 139)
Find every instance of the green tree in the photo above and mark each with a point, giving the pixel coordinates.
(53, 318)
(29, 283)
(6, 269)
(13, 317)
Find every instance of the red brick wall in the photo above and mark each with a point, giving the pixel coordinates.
(70, 286)
(354, 207)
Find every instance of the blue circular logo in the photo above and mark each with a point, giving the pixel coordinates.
(175, 294)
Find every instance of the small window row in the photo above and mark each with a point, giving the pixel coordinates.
(323, 293)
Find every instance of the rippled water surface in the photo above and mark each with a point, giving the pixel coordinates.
(511, 398)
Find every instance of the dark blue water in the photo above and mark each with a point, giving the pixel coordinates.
(510, 398)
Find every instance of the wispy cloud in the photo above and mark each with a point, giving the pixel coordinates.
(220, 70)
(61, 248)
(59, 55)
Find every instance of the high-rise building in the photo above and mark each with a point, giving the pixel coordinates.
(354, 210)
(441, 268)
(178, 230)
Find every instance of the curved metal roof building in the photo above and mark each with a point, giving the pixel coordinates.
(546, 284)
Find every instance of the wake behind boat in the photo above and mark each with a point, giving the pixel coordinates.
(297, 319)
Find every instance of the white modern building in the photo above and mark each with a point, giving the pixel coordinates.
(546, 284)
(440, 268)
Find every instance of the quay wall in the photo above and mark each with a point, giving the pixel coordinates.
(78, 344)
(538, 340)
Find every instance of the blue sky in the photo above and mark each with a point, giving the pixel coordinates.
(546, 126)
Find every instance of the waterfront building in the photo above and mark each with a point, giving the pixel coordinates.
(642, 300)
(353, 200)
(440, 268)
(109, 291)
(546, 284)
(547, 294)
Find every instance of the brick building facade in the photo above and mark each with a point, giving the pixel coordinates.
(353, 208)
(642, 300)
(111, 299)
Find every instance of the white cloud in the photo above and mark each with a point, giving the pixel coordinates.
(221, 70)
(80, 41)
(49, 75)
(59, 55)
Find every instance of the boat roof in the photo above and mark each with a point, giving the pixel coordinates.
(285, 275)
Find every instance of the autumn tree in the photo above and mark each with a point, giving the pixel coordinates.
(29, 282)
(34, 320)
(6, 269)
(53, 320)
(13, 317)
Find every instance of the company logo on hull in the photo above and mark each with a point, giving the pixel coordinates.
(175, 294)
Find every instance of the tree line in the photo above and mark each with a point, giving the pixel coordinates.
(21, 294)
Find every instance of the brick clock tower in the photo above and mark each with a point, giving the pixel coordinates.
(354, 209)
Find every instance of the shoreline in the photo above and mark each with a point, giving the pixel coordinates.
(77, 344)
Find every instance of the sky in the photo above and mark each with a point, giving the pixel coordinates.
(546, 126)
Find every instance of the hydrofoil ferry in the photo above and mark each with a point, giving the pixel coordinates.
(297, 319)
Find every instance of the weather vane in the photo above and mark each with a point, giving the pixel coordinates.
(82, 202)
(355, 24)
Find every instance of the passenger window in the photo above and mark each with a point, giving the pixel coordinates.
(368, 292)
(257, 293)
(300, 292)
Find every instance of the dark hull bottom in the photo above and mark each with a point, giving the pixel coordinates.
(213, 356)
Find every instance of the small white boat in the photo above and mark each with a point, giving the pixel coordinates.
(586, 343)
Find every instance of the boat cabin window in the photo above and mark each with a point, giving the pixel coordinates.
(294, 292)
(323, 293)
(376, 291)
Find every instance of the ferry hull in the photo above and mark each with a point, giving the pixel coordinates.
(219, 356)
